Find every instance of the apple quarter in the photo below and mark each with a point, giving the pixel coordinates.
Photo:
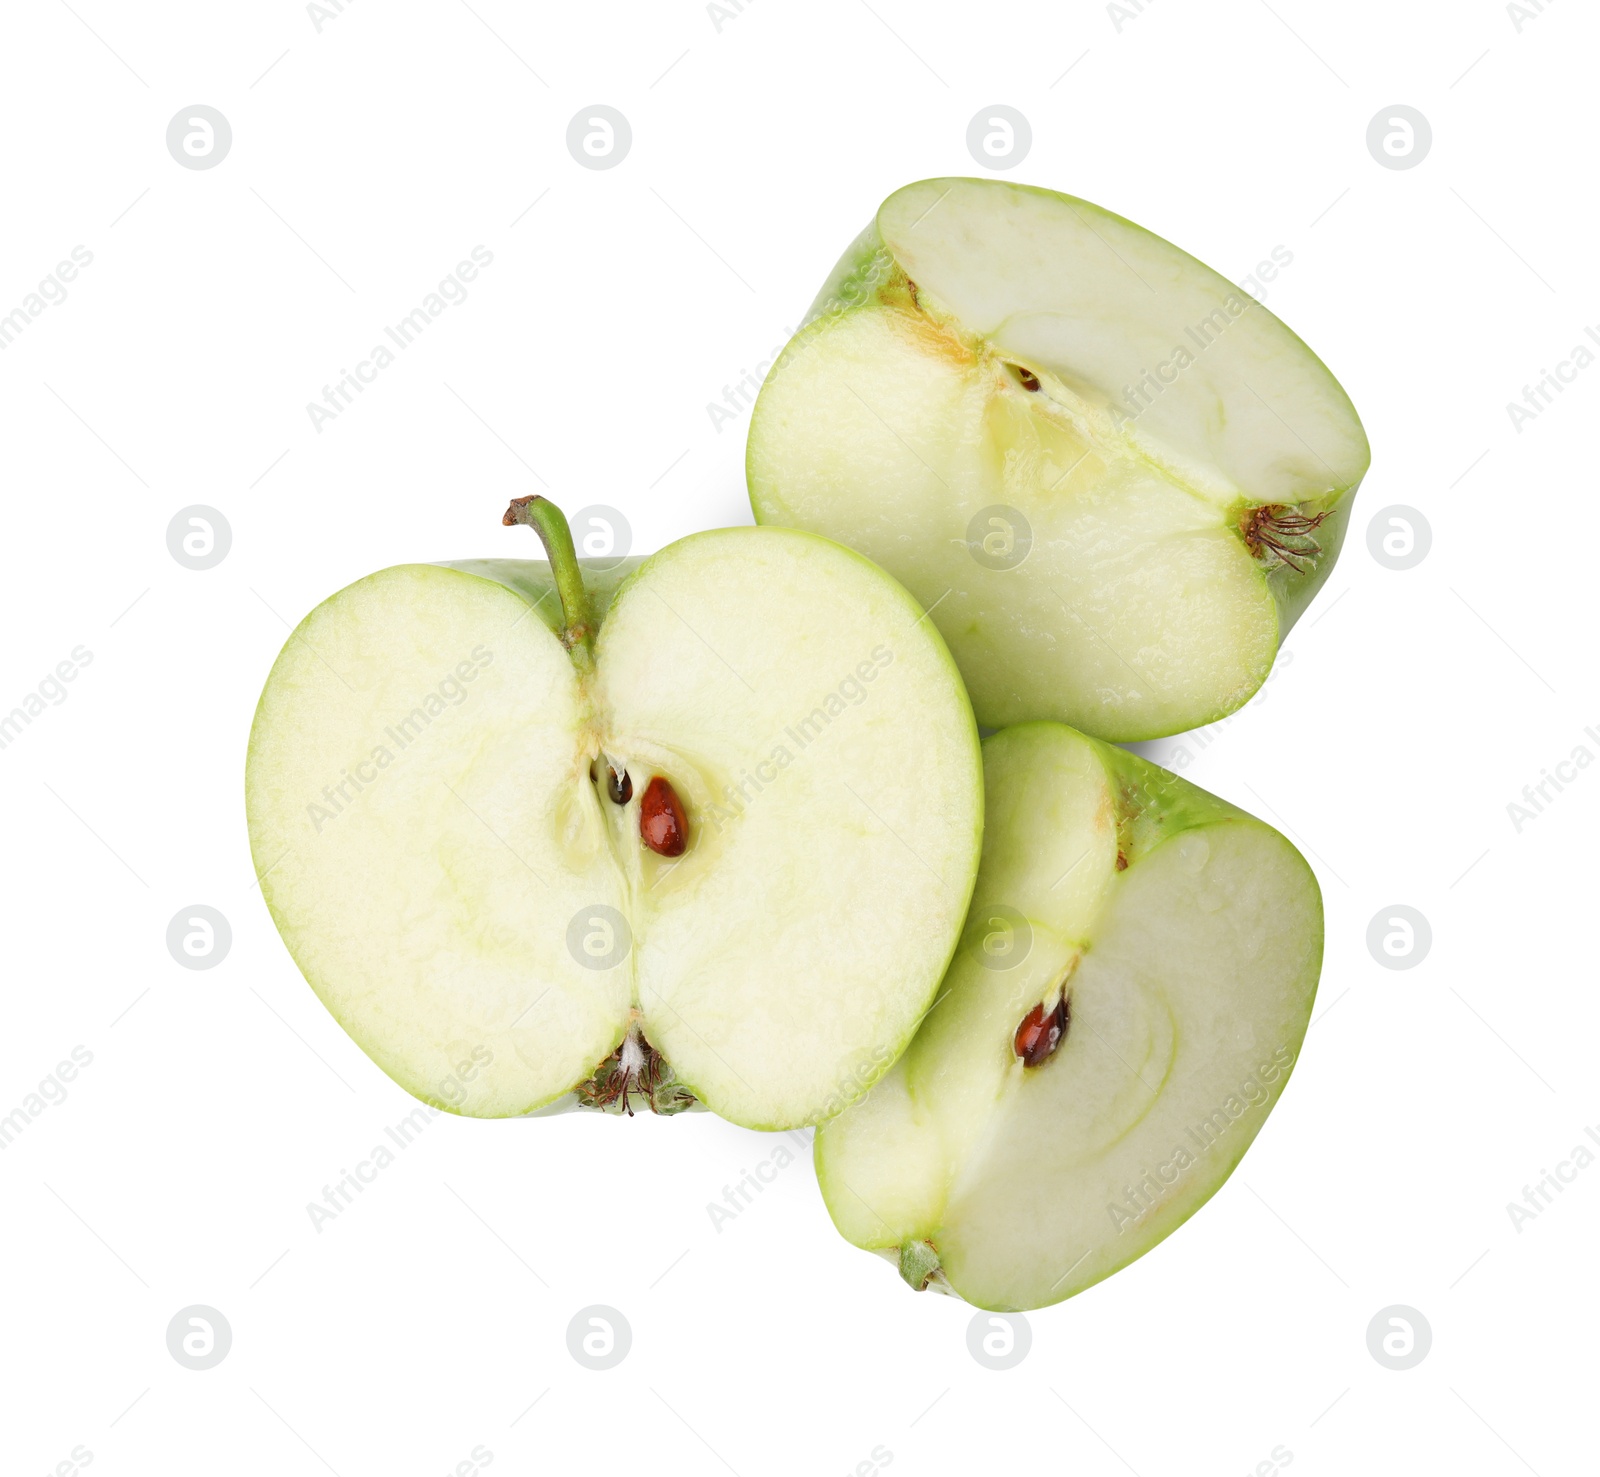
(1129, 999)
(1114, 477)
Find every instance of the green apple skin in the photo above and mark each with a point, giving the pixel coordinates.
(1186, 937)
(428, 901)
(1148, 602)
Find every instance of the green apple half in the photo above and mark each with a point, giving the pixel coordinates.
(455, 813)
(1113, 476)
(1130, 996)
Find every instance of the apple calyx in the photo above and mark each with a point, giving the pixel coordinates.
(1279, 534)
(919, 1266)
(550, 523)
(635, 1068)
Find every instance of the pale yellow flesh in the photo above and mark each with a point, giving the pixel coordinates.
(894, 423)
(779, 965)
(1189, 974)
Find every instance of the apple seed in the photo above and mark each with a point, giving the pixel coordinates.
(1039, 1034)
(662, 823)
(618, 786)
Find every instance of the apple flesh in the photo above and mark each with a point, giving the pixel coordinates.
(1170, 944)
(1182, 464)
(701, 828)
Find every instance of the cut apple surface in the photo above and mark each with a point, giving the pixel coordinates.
(704, 830)
(1113, 476)
(1129, 998)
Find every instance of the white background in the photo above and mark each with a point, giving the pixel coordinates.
(367, 159)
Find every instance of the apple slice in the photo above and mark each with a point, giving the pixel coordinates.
(1129, 998)
(1114, 478)
(704, 830)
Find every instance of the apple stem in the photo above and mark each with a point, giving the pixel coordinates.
(550, 523)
